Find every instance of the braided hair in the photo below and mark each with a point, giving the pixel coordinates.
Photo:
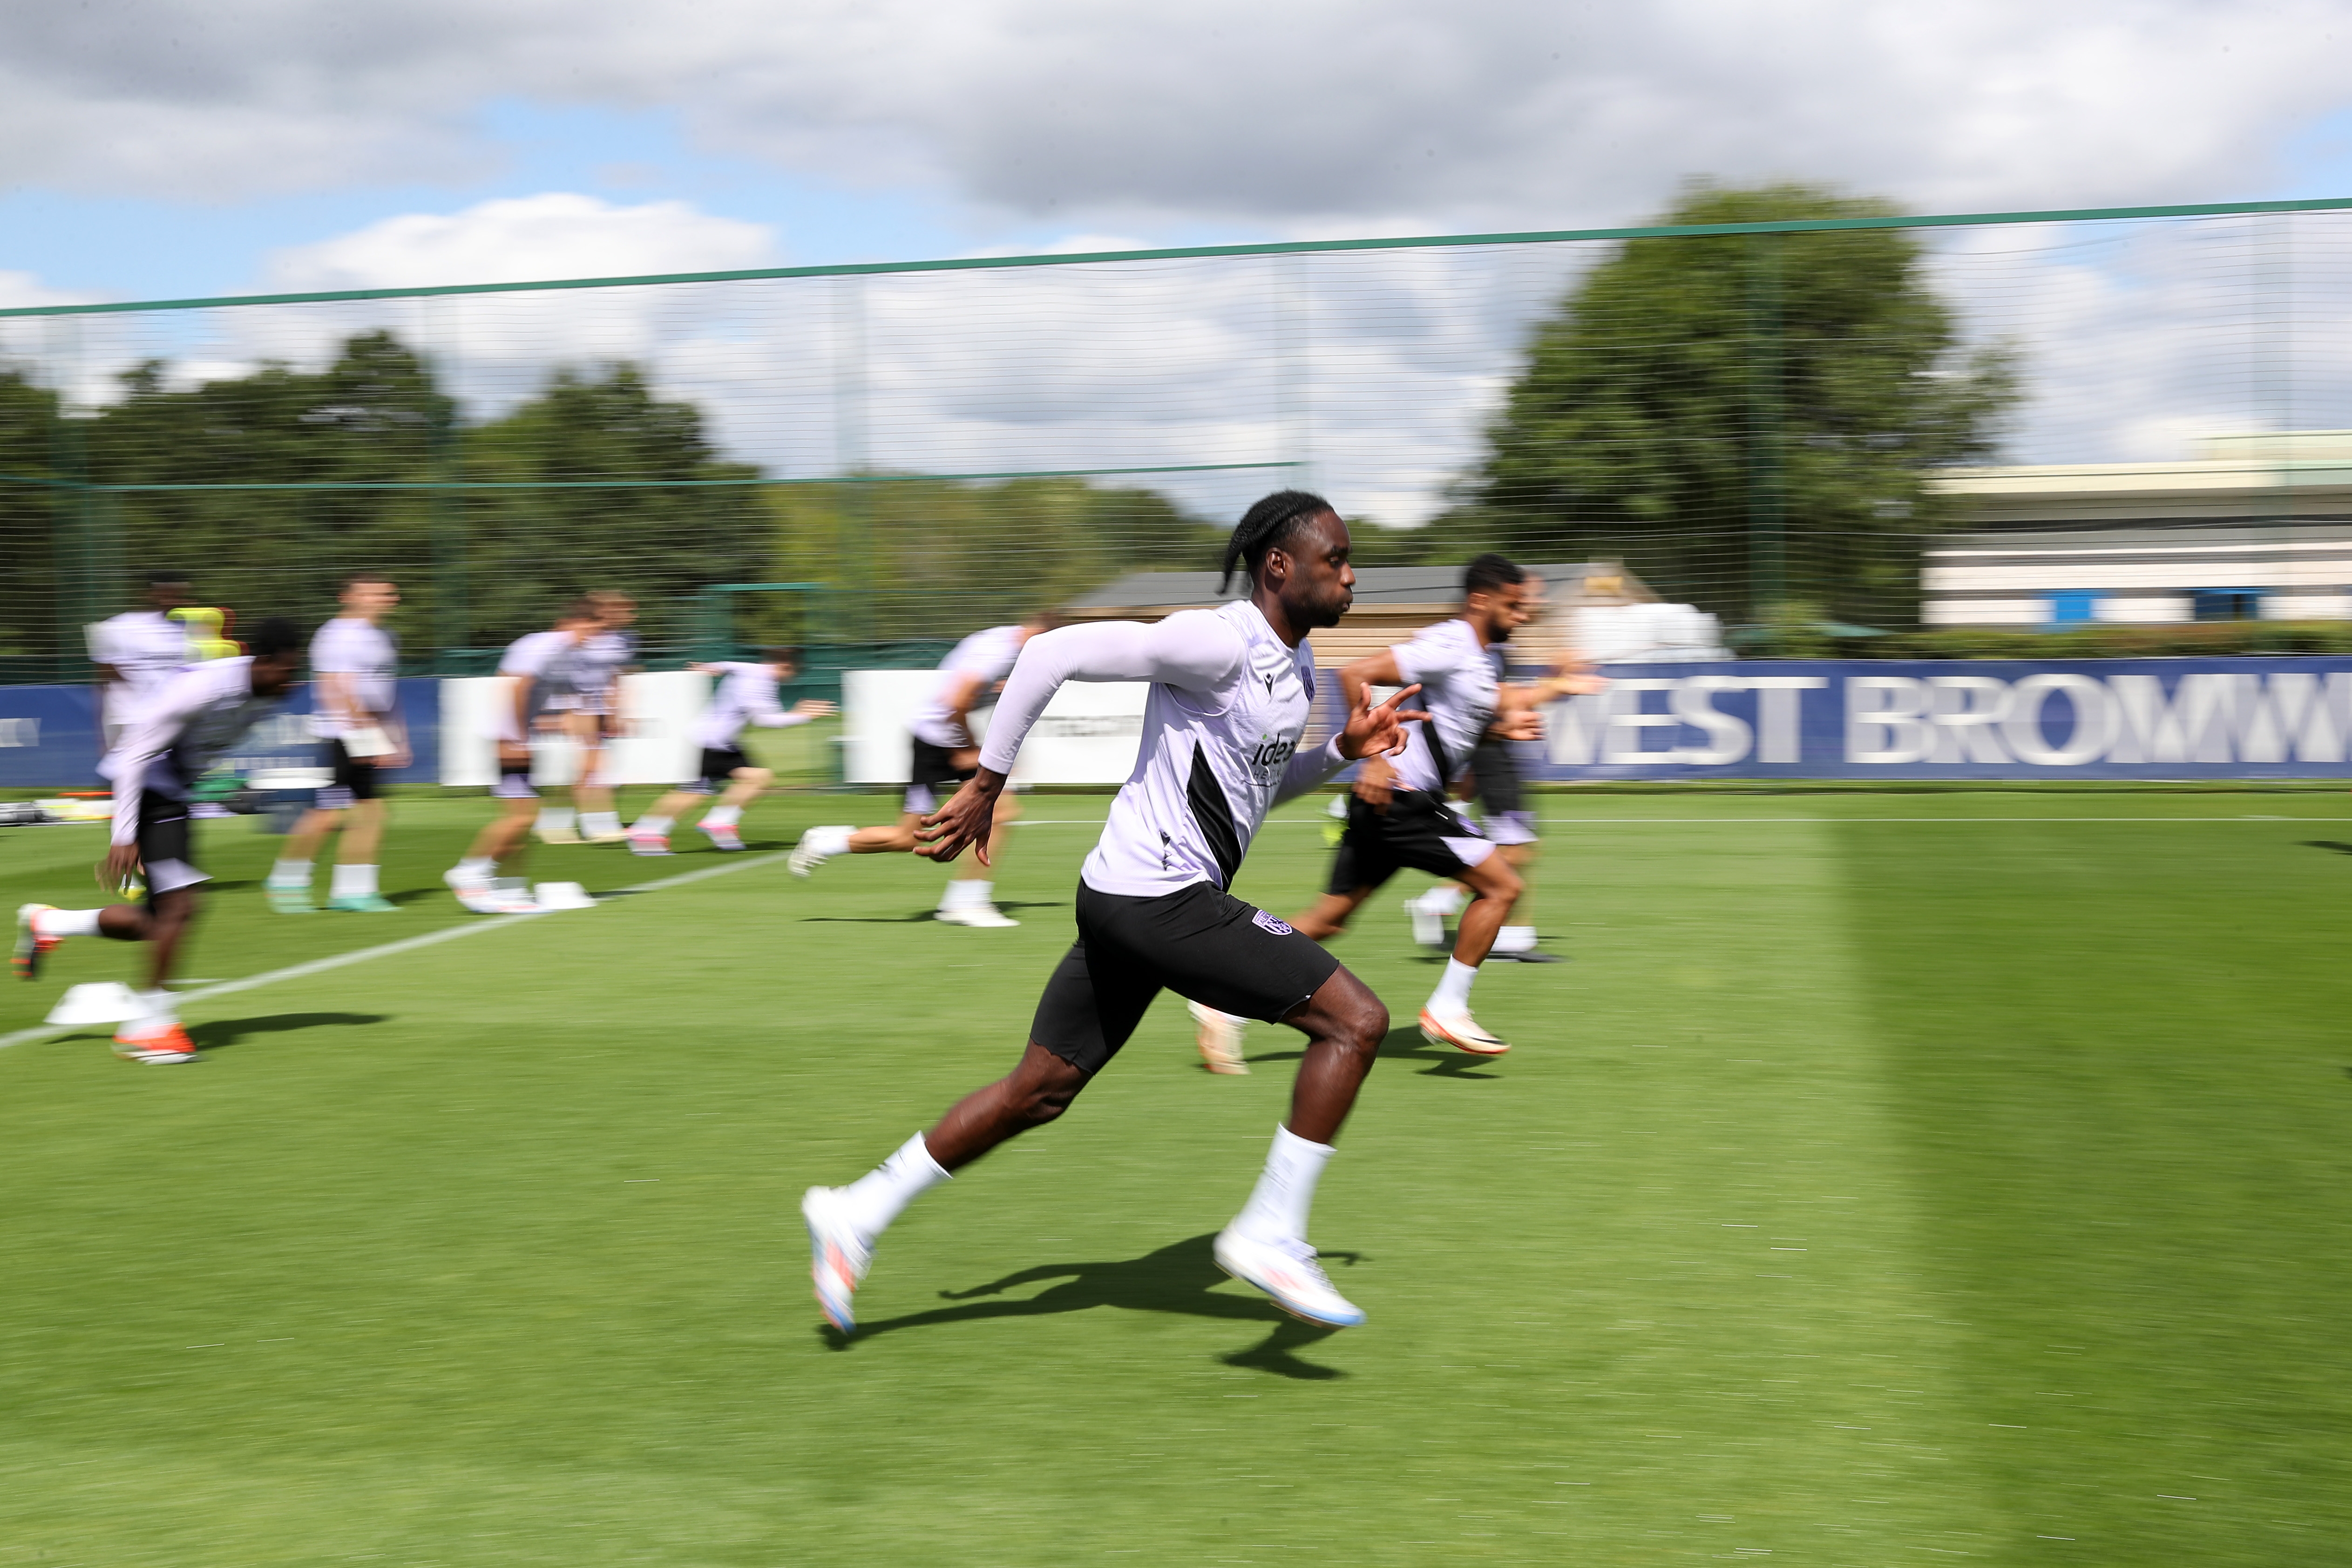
(1269, 525)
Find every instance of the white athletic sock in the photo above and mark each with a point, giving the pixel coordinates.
(1442, 899)
(877, 1198)
(600, 822)
(290, 874)
(723, 817)
(1277, 1210)
(657, 825)
(66, 922)
(829, 840)
(555, 817)
(353, 882)
(476, 866)
(966, 893)
(1453, 993)
(1516, 939)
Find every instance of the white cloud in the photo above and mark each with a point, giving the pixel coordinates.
(1357, 113)
(525, 239)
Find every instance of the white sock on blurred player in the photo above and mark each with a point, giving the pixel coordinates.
(1516, 939)
(352, 882)
(878, 1197)
(290, 874)
(723, 817)
(649, 824)
(1453, 993)
(1277, 1210)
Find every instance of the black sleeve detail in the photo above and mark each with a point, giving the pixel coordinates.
(1214, 815)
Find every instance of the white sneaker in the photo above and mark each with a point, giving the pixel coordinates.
(642, 843)
(485, 897)
(1428, 928)
(838, 1256)
(1461, 1031)
(987, 917)
(806, 855)
(1219, 1035)
(1286, 1270)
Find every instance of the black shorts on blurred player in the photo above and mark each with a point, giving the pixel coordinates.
(1417, 832)
(1200, 942)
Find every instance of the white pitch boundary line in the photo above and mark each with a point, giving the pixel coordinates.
(406, 945)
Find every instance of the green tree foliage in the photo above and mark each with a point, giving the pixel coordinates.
(29, 514)
(1688, 388)
(929, 558)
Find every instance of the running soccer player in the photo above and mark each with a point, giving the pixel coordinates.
(1398, 816)
(137, 651)
(354, 663)
(188, 722)
(746, 695)
(945, 758)
(593, 718)
(1232, 689)
(536, 668)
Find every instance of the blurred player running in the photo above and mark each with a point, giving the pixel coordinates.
(746, 695)
(137, 651)
(1232, 690)
(184, 725)
(593, 718)
(354, 712)
(1398, 816)
(536, 668)
(945, 757)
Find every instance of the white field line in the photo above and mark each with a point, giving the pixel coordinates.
(406, 945)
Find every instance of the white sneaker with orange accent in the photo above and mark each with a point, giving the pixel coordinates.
(1219, 1035)
(1288, 1271)
(31, 945)
(642, 843)
(1461, 1031)
(838, 1256)
(155, 1046)
(724, 836)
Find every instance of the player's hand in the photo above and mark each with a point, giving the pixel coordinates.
(815, 708)
(1378, 727)
(397, 757)
(1580, 683)
(965, 757)
(1520, 725)
(121, 864)
(965, 819)
(1375, 781)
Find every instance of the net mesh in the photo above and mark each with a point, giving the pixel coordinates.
(1764, 424)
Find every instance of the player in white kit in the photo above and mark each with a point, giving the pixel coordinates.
(136, 651)
(593, 717)
(354, 712)
(539, 677)
(945, 756)
(180, 731)
(1232, 690)
(745, 694)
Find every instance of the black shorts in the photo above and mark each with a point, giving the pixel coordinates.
(514, 776)
(934, 777)
(352, 779)
(167, 854)
(1418, 832)
(1198, 941)
(718, 766)
(1496, 765)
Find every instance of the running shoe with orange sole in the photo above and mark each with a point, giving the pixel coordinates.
(158, 1049)
(1461, 1031)
(31, 945)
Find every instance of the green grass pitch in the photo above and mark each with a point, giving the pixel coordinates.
(1888, 1179)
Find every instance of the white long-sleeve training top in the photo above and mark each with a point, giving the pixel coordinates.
(190, 720)
(1220, 748)
(746, 695)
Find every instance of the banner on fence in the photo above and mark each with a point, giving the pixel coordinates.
(2090, 719)
(49, 736)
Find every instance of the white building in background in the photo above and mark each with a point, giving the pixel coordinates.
(2257, 527)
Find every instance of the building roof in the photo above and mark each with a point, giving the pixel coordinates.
(1377, 587)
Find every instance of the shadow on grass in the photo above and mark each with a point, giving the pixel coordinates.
(223, 1033)
(2327, 844)
(1176, 1278)
(918, 916)
(1404, 1043)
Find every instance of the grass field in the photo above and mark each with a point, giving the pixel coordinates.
(1889, 1179)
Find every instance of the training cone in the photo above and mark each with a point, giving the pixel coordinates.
(562, 896)
(110, 1002)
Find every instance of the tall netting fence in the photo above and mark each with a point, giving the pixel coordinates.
(1797, 426)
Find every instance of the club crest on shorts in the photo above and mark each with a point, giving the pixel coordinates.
(1278, 927)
